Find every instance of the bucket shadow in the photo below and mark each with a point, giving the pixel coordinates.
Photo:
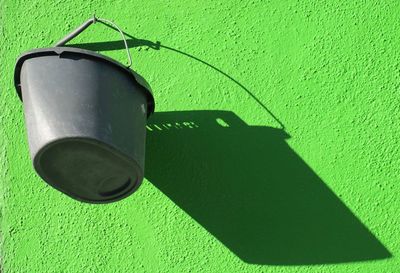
(252, 192)
(246, 186)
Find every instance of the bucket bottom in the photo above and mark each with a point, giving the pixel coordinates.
(88, 170)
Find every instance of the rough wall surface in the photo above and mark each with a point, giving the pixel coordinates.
(226, 189)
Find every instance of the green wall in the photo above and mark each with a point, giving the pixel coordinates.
(227, 189)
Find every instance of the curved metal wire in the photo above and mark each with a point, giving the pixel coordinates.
(107, 23)
(86, 24)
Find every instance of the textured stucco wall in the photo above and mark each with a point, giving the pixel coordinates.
(226, 189)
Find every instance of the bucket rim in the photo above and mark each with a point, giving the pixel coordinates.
(57, 51)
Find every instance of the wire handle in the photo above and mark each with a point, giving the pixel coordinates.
(86, 24)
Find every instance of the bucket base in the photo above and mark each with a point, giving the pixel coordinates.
(87, 170)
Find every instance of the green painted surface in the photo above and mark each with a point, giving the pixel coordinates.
(226, 189)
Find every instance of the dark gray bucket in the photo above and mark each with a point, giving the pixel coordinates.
(86, 119)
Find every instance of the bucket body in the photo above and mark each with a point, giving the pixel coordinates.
(86, 122)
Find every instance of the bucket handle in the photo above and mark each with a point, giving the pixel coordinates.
(86, 24)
